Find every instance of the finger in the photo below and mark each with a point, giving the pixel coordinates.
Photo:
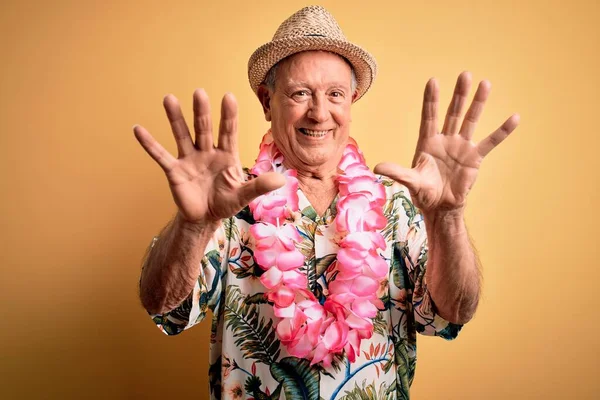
(429, 111)
(475, 110)
(264, 183)
(153, 148)
(406, 176)
(178, 125)
(202, 120)
(496, 137)
(455, 109)
(229, 124)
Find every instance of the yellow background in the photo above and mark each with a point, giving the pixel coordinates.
(81, 200)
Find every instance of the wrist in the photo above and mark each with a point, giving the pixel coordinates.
(447, 222)
(449, 215)
(196, 227)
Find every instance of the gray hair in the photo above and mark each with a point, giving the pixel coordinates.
(272, 75)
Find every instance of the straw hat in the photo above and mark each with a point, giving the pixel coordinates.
(311, 28)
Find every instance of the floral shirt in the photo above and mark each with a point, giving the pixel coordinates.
(247, 360)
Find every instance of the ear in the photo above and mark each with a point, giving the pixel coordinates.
(264, 96)
(354, 96)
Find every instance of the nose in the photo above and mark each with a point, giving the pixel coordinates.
(318, 109)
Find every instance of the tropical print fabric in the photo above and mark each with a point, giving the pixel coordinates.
(246, 358)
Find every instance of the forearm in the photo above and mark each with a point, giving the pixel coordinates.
(453, 269)
(172, 265)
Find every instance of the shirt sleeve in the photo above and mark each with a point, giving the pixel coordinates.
(206, 293)
(411, 250)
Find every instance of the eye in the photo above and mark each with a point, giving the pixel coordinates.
(336, 93)
(301, 93)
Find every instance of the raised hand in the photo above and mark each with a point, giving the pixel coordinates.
(446, 163)
(206, 181)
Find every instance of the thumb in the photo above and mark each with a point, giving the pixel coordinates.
(405, 176)
(264, 183)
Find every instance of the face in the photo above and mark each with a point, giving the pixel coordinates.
(309, 110)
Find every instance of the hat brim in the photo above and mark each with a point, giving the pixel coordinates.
(269, 54)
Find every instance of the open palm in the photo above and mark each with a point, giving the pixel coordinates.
(206, 181)
(446, 163)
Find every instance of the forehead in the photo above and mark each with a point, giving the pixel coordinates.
(314, 67)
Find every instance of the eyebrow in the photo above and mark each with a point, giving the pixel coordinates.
(306, 84)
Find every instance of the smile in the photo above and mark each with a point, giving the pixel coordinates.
(312, 133)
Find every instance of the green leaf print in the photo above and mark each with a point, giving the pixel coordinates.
(390, 211)
(244, 265)
(246, 215)
(252, 386)
(310, 213)
(258, 298)
(450, 332)
(300, 381)
(410, 210)
(369, 392)
(231, 228)
(323, 263)
(386, 181)
(246, 271)
(419, 272)
(399, 267)
(174, 322)
(255, 338)
(213, 258)
(380, 325)
(404, 370)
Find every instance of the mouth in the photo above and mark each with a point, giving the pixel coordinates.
(313, 133)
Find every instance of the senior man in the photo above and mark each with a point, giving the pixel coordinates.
(318, 272)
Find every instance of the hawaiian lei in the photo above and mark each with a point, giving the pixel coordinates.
(307, 328)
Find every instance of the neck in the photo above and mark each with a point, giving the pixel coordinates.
(317, 181)
(320, 190)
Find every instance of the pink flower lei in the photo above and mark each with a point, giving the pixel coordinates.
(307, 328)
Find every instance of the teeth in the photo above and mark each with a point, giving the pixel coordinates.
(312, 133)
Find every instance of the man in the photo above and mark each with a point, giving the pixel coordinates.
(318, 272)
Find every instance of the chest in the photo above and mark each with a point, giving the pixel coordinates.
(320, 201)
